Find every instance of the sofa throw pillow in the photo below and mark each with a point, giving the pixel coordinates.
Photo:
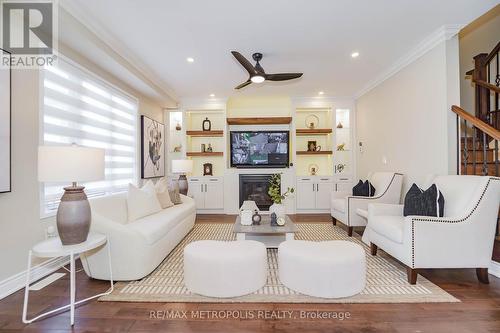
(424, 203)
(163, 194)
(142, 201)
(365, 189)
(173, 190)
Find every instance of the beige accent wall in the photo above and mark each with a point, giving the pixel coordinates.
(405, 123)
(259, 106)
(481, 36)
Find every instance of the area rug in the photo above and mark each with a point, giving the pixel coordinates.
(386, 279)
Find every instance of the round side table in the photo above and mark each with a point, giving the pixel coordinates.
(53, 248)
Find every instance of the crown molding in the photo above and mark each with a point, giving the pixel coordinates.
(125, 56)
(440, 35)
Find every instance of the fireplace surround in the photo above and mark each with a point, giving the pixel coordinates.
(255, 187)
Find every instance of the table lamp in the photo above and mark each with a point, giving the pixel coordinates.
(182, 167)
(71, 164)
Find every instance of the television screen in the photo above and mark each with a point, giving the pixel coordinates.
(259, 149)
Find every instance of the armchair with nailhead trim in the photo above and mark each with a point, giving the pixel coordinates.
(463, 238)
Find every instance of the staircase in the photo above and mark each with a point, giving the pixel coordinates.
(479, 133)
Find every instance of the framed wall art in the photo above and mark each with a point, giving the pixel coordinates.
(152, 148)
(5, 124)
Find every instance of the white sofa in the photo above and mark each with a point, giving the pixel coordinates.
(463, 238)
(138, 247)
(353, 210)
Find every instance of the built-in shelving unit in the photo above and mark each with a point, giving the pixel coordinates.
(206, 153)
(321, 152)
(313, 131)
(217, 133)
(314, 124)
(259, 121)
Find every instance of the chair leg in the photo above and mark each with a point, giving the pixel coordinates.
(412, 275)
(482, 275)
(373, 249)
(334, 220)
(349, 231)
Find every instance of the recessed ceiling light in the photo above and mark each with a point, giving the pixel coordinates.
(189, 59)
(355, 54)
(212, 95)
(321, 93)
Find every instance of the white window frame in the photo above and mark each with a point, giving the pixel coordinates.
(47, 214)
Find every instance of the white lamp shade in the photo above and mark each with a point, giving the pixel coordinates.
(182, 166)
(70, 164)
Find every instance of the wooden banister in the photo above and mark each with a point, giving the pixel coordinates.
(493, 53)
(491, 131)
(486, 85)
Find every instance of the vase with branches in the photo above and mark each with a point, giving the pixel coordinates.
(276, 196)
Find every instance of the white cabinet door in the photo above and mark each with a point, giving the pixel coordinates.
(214, 194)
(306, 195)
(323, 195)
(344, 187)
(197, 192)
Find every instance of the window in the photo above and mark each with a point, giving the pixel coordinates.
(80, 108)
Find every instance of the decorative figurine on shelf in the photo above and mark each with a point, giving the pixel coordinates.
(340, 167)
(313, 146)
(313, 169)
(207, 125)
(281, 221)
(207, 169)
(177, 149)
(209, 148)
(312, 121)
(178, 127)
(341, 147)
(339, 125)
(256, 218)
(203, 148)
(273, 220)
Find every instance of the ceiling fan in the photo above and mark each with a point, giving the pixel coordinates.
(257, 73)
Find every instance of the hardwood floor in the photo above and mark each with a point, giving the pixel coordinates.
(479, 310)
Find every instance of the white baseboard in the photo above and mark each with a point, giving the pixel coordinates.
(16, 282)
(494, 269)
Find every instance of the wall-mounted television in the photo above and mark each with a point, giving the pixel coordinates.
(259, 149)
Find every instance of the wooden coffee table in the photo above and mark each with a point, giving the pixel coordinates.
(271, 236)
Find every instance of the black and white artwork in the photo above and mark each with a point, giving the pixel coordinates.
(152, 148)
(5, 124)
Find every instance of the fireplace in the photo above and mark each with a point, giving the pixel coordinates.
(255, 187)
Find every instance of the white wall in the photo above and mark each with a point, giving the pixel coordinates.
(405, 123)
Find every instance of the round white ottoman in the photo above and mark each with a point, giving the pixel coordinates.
(225, 269)
(322, 269)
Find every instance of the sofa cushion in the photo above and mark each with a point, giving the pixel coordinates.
(391, 227)
(154, 227)
(424, 203)
(142, 202)
(163, 194)
(339, 205)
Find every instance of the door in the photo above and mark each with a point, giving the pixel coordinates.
(214, 194)
(344, 186)
(306, 197)
(197, 192)
(323, 195)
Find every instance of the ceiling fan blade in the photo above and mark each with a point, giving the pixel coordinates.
(283, 76)
(244, 84)
(244, 62)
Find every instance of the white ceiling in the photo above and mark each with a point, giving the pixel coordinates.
(315, 37)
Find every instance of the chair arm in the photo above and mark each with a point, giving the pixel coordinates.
(379, 209)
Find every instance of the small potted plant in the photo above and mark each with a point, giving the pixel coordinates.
(276, 195)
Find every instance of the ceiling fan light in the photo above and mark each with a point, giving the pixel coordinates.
(257, 79)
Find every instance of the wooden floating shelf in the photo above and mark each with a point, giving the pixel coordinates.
(214, 153)
(259, 121)
(321, 152)
(313, 131)
(217, 133)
